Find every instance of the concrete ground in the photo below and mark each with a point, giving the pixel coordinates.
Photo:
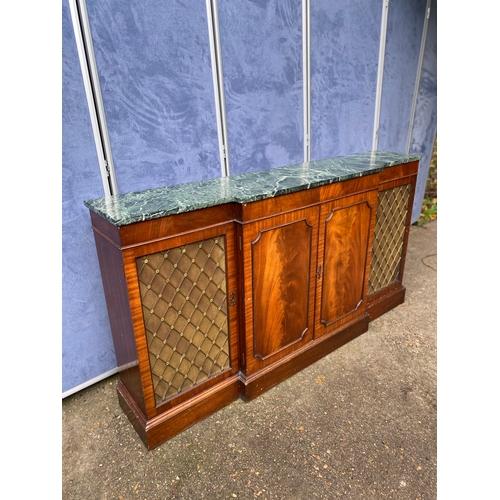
(359, 423)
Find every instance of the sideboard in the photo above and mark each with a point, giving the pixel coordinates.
(223, 288)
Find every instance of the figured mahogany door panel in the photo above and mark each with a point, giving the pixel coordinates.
(344, 246)
(279, 260)
(281, 280)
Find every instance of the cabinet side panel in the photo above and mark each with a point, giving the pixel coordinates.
(346, 239)
(120, 318)
(281, 282)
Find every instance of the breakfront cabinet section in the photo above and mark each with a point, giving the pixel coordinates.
(227, 287)
(182, 320)
(305, 279)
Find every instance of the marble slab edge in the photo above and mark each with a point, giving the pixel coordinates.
(129, 208)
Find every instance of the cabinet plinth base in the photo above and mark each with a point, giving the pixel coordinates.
(386, 302)
(265, 379)
(159, 429)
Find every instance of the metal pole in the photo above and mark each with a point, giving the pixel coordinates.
(419, 74)
(380, 73)
(306, 70)
(218, 79)
(81, 28)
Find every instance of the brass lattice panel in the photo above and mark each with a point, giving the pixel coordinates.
(183, 294)
(392, 211)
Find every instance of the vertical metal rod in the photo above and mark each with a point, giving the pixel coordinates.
(75, 17)
(306, 71)
(380, 73)
(98, 102)
(419, 74)
(218, 79)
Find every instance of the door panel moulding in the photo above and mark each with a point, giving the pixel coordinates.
(306, 69)
(81, 28)
(218, 79)
(419, 74)
(380, 73)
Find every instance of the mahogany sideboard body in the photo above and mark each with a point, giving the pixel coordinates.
(228, 300)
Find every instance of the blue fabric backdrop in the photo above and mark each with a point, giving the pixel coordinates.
(261, 44)
(404, 33)
(154, 66)
(345, 37)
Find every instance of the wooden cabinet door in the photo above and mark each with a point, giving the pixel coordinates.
(186, 326)
(279, 255)
(344, 251)
(392, 225)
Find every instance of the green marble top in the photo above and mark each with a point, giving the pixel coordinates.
(150, 204)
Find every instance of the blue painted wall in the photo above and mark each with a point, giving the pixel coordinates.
(425, 126)
(345, 37)
(261, 44)
(153, 60)
(87, 346)
(405, 22)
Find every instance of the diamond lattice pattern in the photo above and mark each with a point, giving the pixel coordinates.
(392, 211)
(183, 294)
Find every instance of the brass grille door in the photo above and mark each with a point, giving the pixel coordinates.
(183, 293)
(389, 237)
